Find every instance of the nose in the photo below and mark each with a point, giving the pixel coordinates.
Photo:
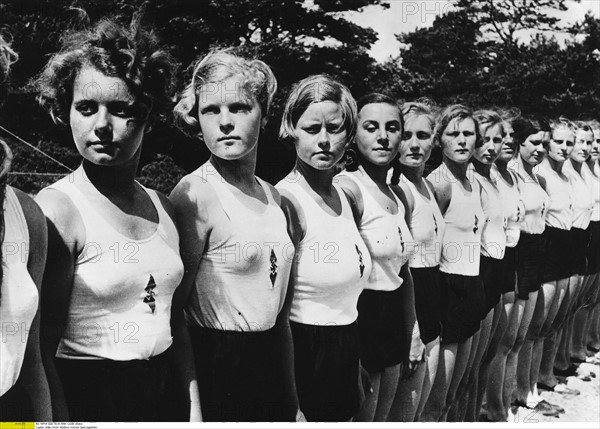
(382, 137)
(461, 140)
(226, 122)
(103, 125)
(323, 138)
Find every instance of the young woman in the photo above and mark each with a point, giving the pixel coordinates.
(583, 205)
(493, 245)
(24, 394)
(427, 226)
(592, 340)
(556, 270)
(506, 331)
(332, 263)
(114, 259)
(235, 247)
(463, 299)
(386, 309)
(532, 136)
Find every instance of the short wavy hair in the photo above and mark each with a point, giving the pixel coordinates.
(132, 54)
(455, 111)
(316, 89)
(487, 118)
(415, 109)
(525, 126)
(258, 81)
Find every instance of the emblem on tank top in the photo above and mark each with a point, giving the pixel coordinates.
(476, 227)
(360, 260)
(401, 240)
(435, 223)
(150, 293)
(543, 208)
(273, 273)
(518, 213)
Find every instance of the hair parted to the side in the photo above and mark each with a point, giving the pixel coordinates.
(423, 107)
(7, 58)
(258, 81)
(352, 159)
(525, 126)
(487, 118)
(455, 111)
(316, 89)
(132, 54)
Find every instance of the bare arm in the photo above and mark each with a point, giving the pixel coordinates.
(412, 332)
(354, 196)
(296, 228)
(33, 375)
(192, 223)
(65, 235)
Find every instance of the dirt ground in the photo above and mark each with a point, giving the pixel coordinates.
(584, 407)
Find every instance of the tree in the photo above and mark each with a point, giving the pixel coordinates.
(503, 19)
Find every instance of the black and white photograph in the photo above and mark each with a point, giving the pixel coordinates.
(299, 212)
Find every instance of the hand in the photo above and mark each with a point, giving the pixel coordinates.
(417, 354)
(300, 416)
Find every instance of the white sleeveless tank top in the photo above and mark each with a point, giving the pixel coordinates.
(535, 199)
(560, 210)
(512, 204)
(389, 250)
(581, 197)
(593, 182)
(427, 226)
(19, 298)
(120, 305)
(243, 275)
(493, 234)
(332, 263)
(461, 246)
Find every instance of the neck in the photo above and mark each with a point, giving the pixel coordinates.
(483, 169)
(556, 165)
(112, 180)
(576, 165)
(528, 168)
(502, 166)
(238, 170)
(319, 180)
(377, 173)
(413, 174)
(458, 170)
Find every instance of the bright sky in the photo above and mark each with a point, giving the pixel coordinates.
(406, 15)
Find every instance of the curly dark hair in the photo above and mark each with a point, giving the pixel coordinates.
(132, 54)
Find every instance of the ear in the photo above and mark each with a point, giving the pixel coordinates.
(263, 123)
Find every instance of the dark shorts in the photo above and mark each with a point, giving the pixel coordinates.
(463, 302)
(242, 375)
(530, 257)
(16, 405)
(428, 302)
(509, 270)
(327, 371)
(121, 391)
(580, 239)
(383, 339)
(558, 262)
(492, 275)
(593, 249)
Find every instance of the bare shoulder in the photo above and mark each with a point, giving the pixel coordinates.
(193, 195)
(405, 195)
(62, 215)
(36, 221)
(274, 192)
(294, 214)
(353, 193)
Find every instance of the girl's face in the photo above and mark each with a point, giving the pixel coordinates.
(532, 150)
(417, 141)
(320, 135)
(508, 144)
(595, 151)
(458, 140)
(583, 145)
(107, 122)
(378, 133)
(561, 144)
(230, 119)
(492, 143)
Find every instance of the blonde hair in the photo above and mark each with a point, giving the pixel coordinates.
(316, 89)
(258, 81)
